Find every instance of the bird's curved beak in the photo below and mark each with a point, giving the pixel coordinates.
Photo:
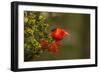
(67, 34)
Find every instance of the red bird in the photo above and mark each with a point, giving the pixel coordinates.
(53, 48)
(58, 34)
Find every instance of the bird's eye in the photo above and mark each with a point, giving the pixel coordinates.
(54, 29)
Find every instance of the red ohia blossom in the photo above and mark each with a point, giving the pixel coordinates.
(58, 34)
(44, 44)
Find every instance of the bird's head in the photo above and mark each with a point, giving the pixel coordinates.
(59, 33)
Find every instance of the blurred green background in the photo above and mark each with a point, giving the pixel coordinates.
(77, 44)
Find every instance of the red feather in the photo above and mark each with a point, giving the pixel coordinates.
(58, 34)
(53, 48)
